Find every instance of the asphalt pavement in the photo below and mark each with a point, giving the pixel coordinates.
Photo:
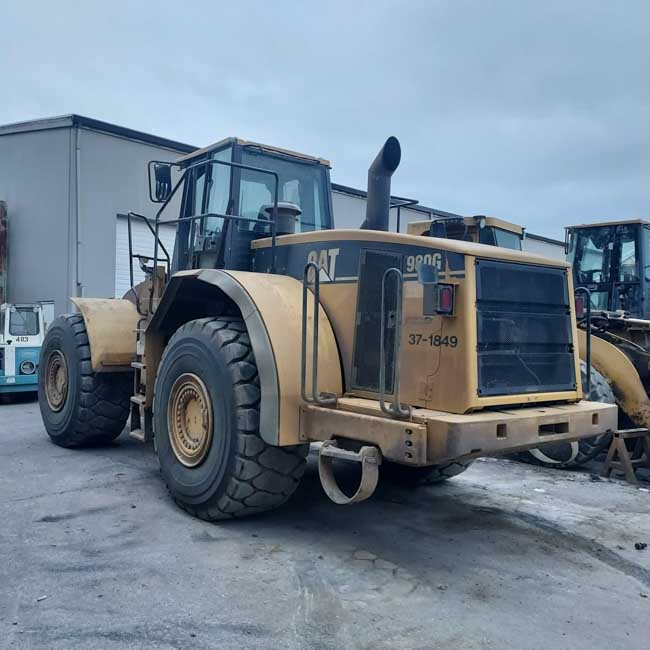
(94, 554)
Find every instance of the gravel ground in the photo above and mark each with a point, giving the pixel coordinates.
(96, 555)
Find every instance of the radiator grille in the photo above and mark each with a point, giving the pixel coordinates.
(525, 340)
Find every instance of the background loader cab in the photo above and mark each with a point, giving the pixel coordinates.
(612, 261)
(478, 229)
(22, 328)
(611, 268)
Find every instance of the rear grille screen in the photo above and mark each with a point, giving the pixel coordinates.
(525, 341)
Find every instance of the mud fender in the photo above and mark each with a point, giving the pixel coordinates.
(110, 326)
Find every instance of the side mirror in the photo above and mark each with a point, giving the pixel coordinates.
(163, 179)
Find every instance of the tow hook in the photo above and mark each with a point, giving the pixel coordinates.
(370, 459)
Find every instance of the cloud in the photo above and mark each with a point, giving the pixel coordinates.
(534, 112)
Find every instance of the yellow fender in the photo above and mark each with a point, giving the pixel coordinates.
(271, 306)
(110, 326)
(615, 366)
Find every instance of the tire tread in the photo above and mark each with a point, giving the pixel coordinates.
(264, 476)
(103, 401)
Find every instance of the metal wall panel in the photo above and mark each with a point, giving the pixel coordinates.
(112, 179)
(35, 183)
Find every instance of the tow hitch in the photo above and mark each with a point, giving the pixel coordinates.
(370, 459)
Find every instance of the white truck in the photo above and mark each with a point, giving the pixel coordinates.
(22, 329)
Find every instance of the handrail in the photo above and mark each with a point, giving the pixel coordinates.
(395, 408)
(147, 222)
(588, 334)
(205, 163)
(134, 215)
(316, 397)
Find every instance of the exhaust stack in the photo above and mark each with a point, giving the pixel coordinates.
(379, 174)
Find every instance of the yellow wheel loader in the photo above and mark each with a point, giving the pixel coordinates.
(265, 330)
(610, 262)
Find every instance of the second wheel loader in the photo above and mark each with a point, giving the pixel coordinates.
(266, 330)
(611, 270)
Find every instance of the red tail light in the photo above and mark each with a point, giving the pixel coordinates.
(581, 307)
(445, 299)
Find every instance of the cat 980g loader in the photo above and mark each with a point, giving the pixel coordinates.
(265, 330)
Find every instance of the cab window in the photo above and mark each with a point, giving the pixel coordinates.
(23, 321)
(592, 254)
(499, 237)
(507, 239)
(218, 191)
(301, 183)
(628, 267)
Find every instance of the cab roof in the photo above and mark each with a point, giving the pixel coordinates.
(622, 222)
(473, 221)
(247, 143)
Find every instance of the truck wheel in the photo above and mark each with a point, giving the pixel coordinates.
(579, 452)
(414, 476)
(79, 407)
(206, 425)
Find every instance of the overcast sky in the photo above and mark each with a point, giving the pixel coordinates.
(536, 112)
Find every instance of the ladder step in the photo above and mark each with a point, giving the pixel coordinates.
(138, 434)
(138, 365)
(138, 399)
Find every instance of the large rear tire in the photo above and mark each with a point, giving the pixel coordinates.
(206, 424)
(79, 407)
(579, 452)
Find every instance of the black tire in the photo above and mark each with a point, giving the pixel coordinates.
(566, 455)
(240, 474)
(415, 476)
(96, 405)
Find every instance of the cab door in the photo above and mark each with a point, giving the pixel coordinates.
(626, 277)
(644, 271)
(7, 351)
(24, 331)
(3, 352)
(591, 253)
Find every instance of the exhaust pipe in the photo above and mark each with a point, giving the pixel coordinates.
(379, 174)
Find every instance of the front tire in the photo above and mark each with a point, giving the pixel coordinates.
(206, 426)
(79, 407)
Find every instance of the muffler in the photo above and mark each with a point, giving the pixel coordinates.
(379, 175)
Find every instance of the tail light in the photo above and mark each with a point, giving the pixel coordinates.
(445, 299)
(581, 307)
(438, 300)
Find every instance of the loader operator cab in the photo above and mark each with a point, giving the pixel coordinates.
(219, 182)
(478, 229)
(612, 261)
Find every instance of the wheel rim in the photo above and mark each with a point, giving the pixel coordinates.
(189, 420)
(56, 380)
